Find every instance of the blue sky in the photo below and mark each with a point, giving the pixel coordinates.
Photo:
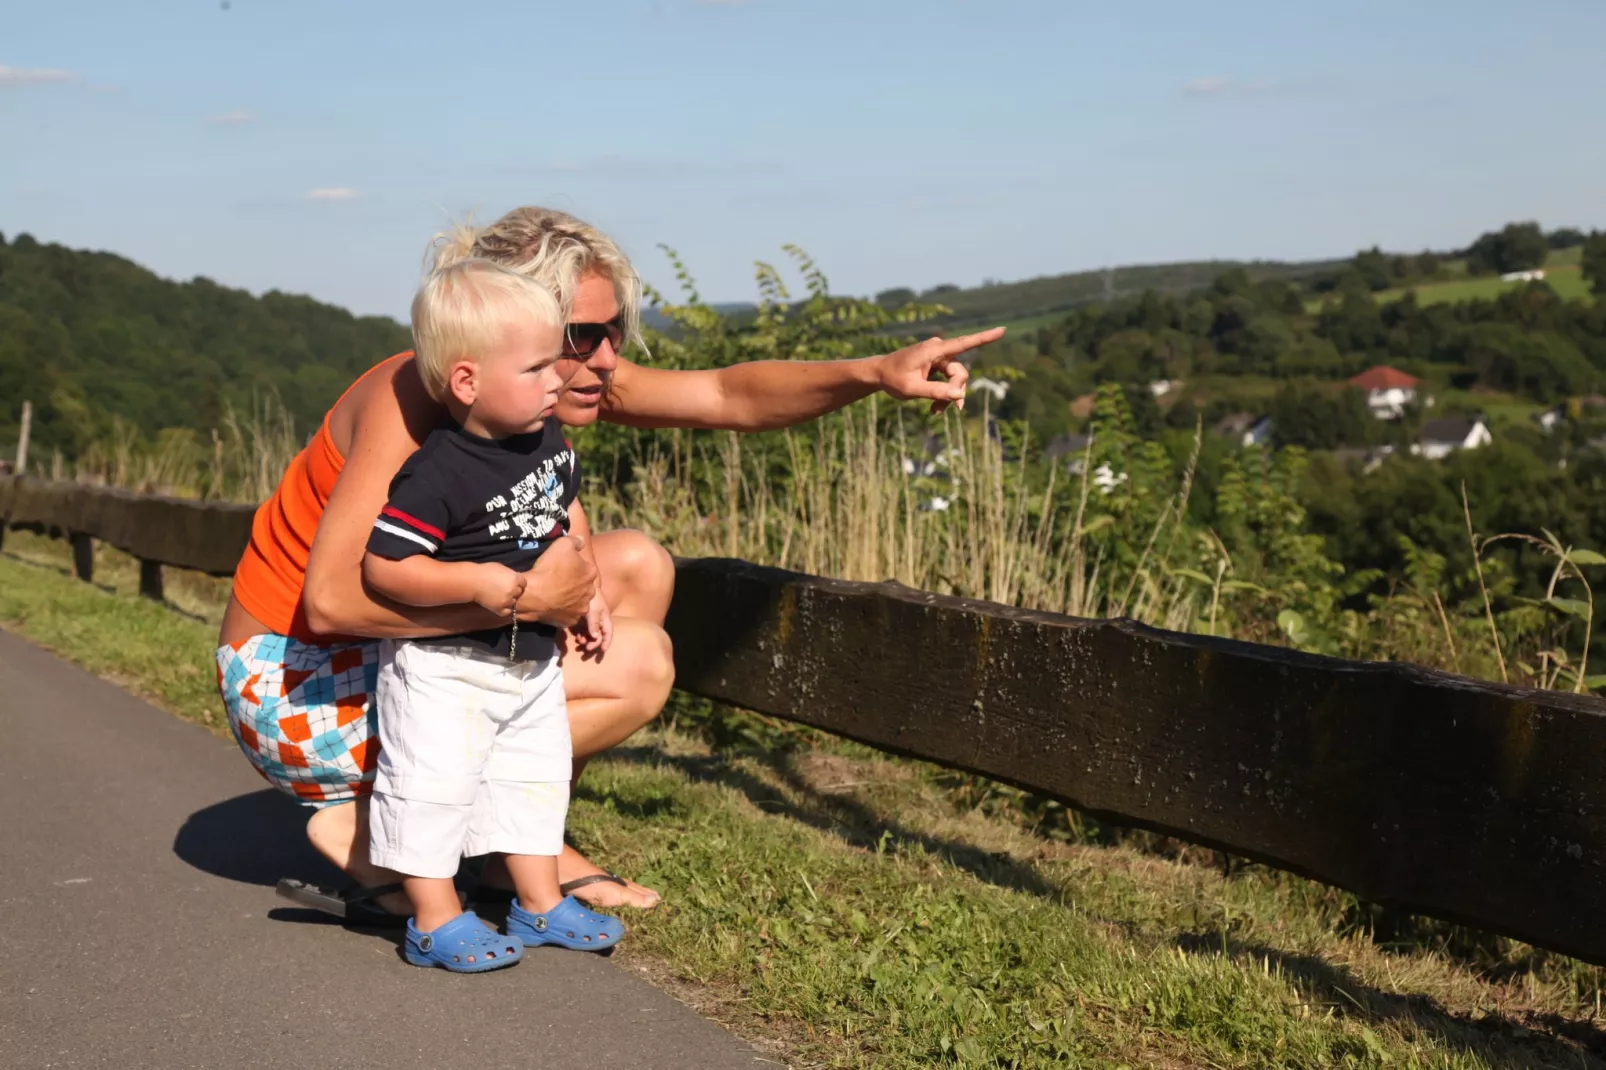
(314, 147)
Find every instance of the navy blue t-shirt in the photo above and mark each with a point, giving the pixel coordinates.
(462, 497)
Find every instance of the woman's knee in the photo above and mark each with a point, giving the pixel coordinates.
(636, 569)
(651, 675)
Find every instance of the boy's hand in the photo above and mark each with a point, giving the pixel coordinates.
(497, 588)
(594, 633)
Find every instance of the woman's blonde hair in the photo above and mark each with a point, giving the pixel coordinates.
(556, 250)
(465, 308)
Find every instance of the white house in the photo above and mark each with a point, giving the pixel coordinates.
(1388, 390)
(1551, 418)
(1523, 276)
(1440, 438)
(1246, 428)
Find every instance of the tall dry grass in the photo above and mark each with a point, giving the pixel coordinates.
(846, 506)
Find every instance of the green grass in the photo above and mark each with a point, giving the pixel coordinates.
(1502, 409)
(1562, 275)
(846, 909)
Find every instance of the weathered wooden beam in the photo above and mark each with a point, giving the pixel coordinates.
(1435, 793)
(205, 536)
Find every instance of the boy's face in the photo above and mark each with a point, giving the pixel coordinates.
(511, 389)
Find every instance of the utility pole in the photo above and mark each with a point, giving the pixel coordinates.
(22, 438)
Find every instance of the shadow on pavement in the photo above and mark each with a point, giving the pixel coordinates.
(254, 839)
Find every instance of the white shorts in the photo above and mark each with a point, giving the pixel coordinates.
(474, 757)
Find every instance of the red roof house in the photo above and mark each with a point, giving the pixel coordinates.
(1382, 377)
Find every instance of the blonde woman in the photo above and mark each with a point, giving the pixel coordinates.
(298, 651)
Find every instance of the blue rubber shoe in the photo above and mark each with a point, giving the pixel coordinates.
(567, 925)
(463, 945)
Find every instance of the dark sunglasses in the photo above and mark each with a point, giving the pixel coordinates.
(582, 339)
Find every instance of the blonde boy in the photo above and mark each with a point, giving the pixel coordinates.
(475, 751)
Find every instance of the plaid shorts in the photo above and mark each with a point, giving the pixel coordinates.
(303, 713)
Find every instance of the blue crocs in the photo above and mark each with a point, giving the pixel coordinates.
(463, 945)
(568, 925)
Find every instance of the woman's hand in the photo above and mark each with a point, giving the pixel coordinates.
(906, 373)
(560, 586)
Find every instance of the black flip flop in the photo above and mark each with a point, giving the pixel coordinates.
(488, 894)
(354, 906)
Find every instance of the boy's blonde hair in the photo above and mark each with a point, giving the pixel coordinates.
(553, 248)
(466, 308)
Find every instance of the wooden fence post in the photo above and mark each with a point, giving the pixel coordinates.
(150, 580)
(22, 438)
(83, 556)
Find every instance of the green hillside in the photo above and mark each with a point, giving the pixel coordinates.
(89, 336)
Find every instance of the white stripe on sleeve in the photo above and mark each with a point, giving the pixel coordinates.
(401, 532)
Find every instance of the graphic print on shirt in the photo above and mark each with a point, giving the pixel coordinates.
(532, 509)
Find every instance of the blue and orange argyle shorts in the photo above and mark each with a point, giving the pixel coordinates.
(303, 713)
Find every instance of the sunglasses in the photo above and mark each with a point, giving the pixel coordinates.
(582, 339)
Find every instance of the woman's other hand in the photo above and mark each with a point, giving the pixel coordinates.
(560, 587)
(906, 373)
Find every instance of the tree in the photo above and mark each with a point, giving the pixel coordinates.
(1594, 262)
(896, 297)
(1565, 238)
(1373, 266)
(1514, 247)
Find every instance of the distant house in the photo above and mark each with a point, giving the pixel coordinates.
(1534, 275)
(1551, 418)
(1388, 390)
(1440, 438)
(1161, 387)
(1245, 428)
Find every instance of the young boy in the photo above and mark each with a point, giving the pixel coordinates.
(475, 751)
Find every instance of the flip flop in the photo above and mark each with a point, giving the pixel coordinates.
(463, 945)
(490, 894)
(567, 925)
(354, 906)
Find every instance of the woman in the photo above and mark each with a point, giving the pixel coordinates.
(298, 647)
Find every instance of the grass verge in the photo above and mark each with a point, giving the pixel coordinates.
(846, 909)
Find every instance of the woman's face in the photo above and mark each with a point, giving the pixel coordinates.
(579, 404)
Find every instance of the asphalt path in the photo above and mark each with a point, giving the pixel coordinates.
(138, 924)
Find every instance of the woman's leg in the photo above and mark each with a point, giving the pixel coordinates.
(340, 833)
(611, 699)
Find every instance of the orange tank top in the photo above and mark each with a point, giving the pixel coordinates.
(273, 569)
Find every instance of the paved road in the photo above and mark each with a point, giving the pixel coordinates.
(138, 924)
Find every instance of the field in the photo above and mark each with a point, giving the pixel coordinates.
(843, 909)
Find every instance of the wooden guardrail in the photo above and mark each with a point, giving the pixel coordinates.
(1474, 802)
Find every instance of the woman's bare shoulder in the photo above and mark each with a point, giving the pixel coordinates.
(388, 396)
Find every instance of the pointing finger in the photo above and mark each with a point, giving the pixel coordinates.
(954, 346)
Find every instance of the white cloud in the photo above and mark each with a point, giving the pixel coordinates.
(232, 118)
(14, 76)
(1220, 87)
(333, 193)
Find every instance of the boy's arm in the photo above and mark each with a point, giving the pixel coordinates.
(422, 581)
(400, 560)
